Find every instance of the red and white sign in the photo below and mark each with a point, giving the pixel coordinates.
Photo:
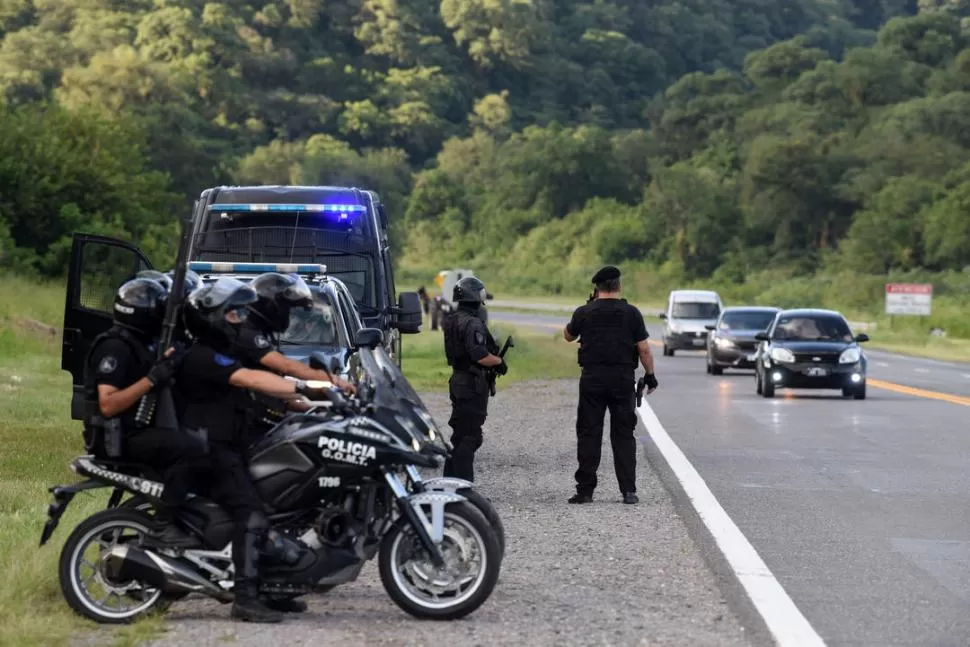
(909, 298)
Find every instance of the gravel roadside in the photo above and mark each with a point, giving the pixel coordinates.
(597, 574)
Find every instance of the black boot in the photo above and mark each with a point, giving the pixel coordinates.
(167, 534)
(248, 605)
(286, 605)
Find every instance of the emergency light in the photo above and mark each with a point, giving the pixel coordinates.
(201, 267)
(319, 208)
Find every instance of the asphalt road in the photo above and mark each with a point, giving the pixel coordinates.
(886, 370)
(859, 508)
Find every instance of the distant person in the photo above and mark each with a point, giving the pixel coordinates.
(612, 336)
(471, 352)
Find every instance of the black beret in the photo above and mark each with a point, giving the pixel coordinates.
(608, 273)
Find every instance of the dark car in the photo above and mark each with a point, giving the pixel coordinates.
(811, 349)
(732, 342)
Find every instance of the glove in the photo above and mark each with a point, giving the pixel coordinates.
(163, 370)
(651, 381)
(502, 368)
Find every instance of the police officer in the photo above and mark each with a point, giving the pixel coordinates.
(471, 352)
(277, 295)
(120, 369)
(208, 383)
(612, 336)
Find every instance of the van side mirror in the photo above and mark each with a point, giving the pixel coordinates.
(489, 296)
(662, 315)
(762, 336)
(409, 313)
(862, 337)
(710, 326)
(369, 338)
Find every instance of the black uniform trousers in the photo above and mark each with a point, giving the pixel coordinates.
(179, 457)
(468, 392)
(602, 388)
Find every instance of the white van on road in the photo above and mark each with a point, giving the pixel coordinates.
(686, 318)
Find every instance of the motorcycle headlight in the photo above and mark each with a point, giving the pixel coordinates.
(782, 355)
(429, 423)
(850, 356)
(415, 445)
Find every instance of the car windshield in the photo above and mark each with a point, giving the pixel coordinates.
(746, 320)
(316, 326)
(812, 328)
(694, 310)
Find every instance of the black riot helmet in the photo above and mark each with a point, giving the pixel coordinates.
(192, 281)
(278, 294)
(166, 281)
(140, 306)
(207, 308)
(469, 290)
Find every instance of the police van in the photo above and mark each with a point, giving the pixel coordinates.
(344, 228)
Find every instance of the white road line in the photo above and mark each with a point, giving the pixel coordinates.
(921, 370)
(786, 623)
(883, 364)
(966, 375)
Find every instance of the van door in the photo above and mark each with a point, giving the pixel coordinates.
(98, 266)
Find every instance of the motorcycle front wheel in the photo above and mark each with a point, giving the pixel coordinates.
(484, 505)
(88, 589)
(472, 562)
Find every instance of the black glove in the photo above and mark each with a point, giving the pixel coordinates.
(163, 370)
(501, 369)
(650, 380)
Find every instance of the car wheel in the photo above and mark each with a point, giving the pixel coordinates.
(847, 392)
(716, 370)
(860, 392)
(757, 382)
(768, 389)
(708, 366)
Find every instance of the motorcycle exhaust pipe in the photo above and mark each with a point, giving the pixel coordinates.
(125, 562)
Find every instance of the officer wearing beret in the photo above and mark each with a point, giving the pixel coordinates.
(612, 337)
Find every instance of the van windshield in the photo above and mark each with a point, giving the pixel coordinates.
(695, 310)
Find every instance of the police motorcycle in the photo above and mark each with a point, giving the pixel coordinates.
(333, 482)
(399, 408)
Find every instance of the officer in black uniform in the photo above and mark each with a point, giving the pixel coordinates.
(254, 345)
(208, 385)
(120, 369)
(471, 352)
(612, 336)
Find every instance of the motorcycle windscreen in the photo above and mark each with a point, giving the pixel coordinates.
(389, 382)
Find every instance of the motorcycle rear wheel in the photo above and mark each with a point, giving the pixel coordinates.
(414, 584)
(95, 529)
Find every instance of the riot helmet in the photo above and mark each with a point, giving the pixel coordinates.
(140, 305)
(192, 281)
(214, 312)
(469, 290)
(166, 281)
(278, 294)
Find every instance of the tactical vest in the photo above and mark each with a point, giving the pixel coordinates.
(455, 327)
(103, 437)
(606, 338)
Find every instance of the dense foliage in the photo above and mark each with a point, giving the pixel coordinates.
(702, 137)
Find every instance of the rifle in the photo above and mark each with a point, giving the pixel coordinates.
(492, 375)
(592, 296)
(173, 310)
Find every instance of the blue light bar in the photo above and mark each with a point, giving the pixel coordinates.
(328, 208)
(257, 268)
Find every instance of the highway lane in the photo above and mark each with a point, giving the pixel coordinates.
(885, 368)
(859, 508)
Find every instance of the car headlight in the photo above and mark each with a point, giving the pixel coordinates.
(782, 355)
(724, 343)
(850, 356)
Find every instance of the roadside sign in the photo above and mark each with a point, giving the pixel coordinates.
(909, 298)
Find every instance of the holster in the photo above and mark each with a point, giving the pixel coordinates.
(103, 437)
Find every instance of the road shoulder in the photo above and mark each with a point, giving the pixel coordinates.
(602, 573)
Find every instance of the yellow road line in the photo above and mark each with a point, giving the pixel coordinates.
(922, 393)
